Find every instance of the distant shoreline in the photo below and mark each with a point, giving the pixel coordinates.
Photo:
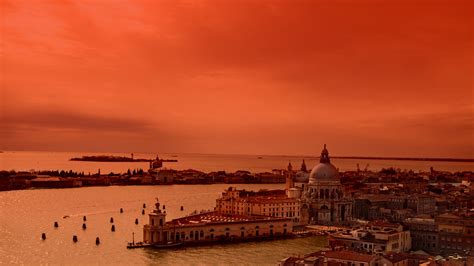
(108, 158)
(406, 159)
(112, 159)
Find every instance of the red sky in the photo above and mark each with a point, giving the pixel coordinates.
(375, 78)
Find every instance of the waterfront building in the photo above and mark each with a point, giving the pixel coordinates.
(317, 198)
(376, 237)
(54, 182)
(274, 203)
(323, 199)
(163, 175)
(209, 227)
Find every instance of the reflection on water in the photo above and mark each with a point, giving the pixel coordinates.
(261, 253)
(25, 214)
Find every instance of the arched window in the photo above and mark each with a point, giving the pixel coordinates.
(201, 234)
(326, 194)
(321, 193)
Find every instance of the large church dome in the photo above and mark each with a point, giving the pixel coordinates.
(324, 171)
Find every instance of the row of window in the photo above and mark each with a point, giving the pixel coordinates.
(276, 214)
(199, 235)
(452, 247)
(277, 209)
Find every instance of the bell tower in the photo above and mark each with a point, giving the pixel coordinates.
(289, 177)
(153, 232)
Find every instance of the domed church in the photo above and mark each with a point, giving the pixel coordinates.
(322, 198)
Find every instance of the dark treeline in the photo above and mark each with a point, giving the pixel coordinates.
(63, 173)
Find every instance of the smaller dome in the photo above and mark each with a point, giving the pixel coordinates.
(301, 177)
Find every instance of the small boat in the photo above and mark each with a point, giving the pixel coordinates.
(132, 245)
(168, 245)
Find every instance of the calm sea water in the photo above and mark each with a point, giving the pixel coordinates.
(25, 161)
(25, 214)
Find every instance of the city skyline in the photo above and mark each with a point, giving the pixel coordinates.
(369, 79)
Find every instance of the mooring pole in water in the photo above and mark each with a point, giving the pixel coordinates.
(133, 238)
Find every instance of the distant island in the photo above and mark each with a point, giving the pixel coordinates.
(109, 158)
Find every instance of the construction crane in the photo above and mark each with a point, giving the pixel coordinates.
(366, 167)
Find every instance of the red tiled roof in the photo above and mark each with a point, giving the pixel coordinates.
(218, 218)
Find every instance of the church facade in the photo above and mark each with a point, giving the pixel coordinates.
(321, 195)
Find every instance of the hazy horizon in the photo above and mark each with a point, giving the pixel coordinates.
(313, 156)
(371, 78)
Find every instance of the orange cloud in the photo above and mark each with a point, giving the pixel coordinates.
(280, 77)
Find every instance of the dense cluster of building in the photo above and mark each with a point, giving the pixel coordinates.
(394, 220)
(353, 258)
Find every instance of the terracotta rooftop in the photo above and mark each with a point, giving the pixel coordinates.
(218, 218)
